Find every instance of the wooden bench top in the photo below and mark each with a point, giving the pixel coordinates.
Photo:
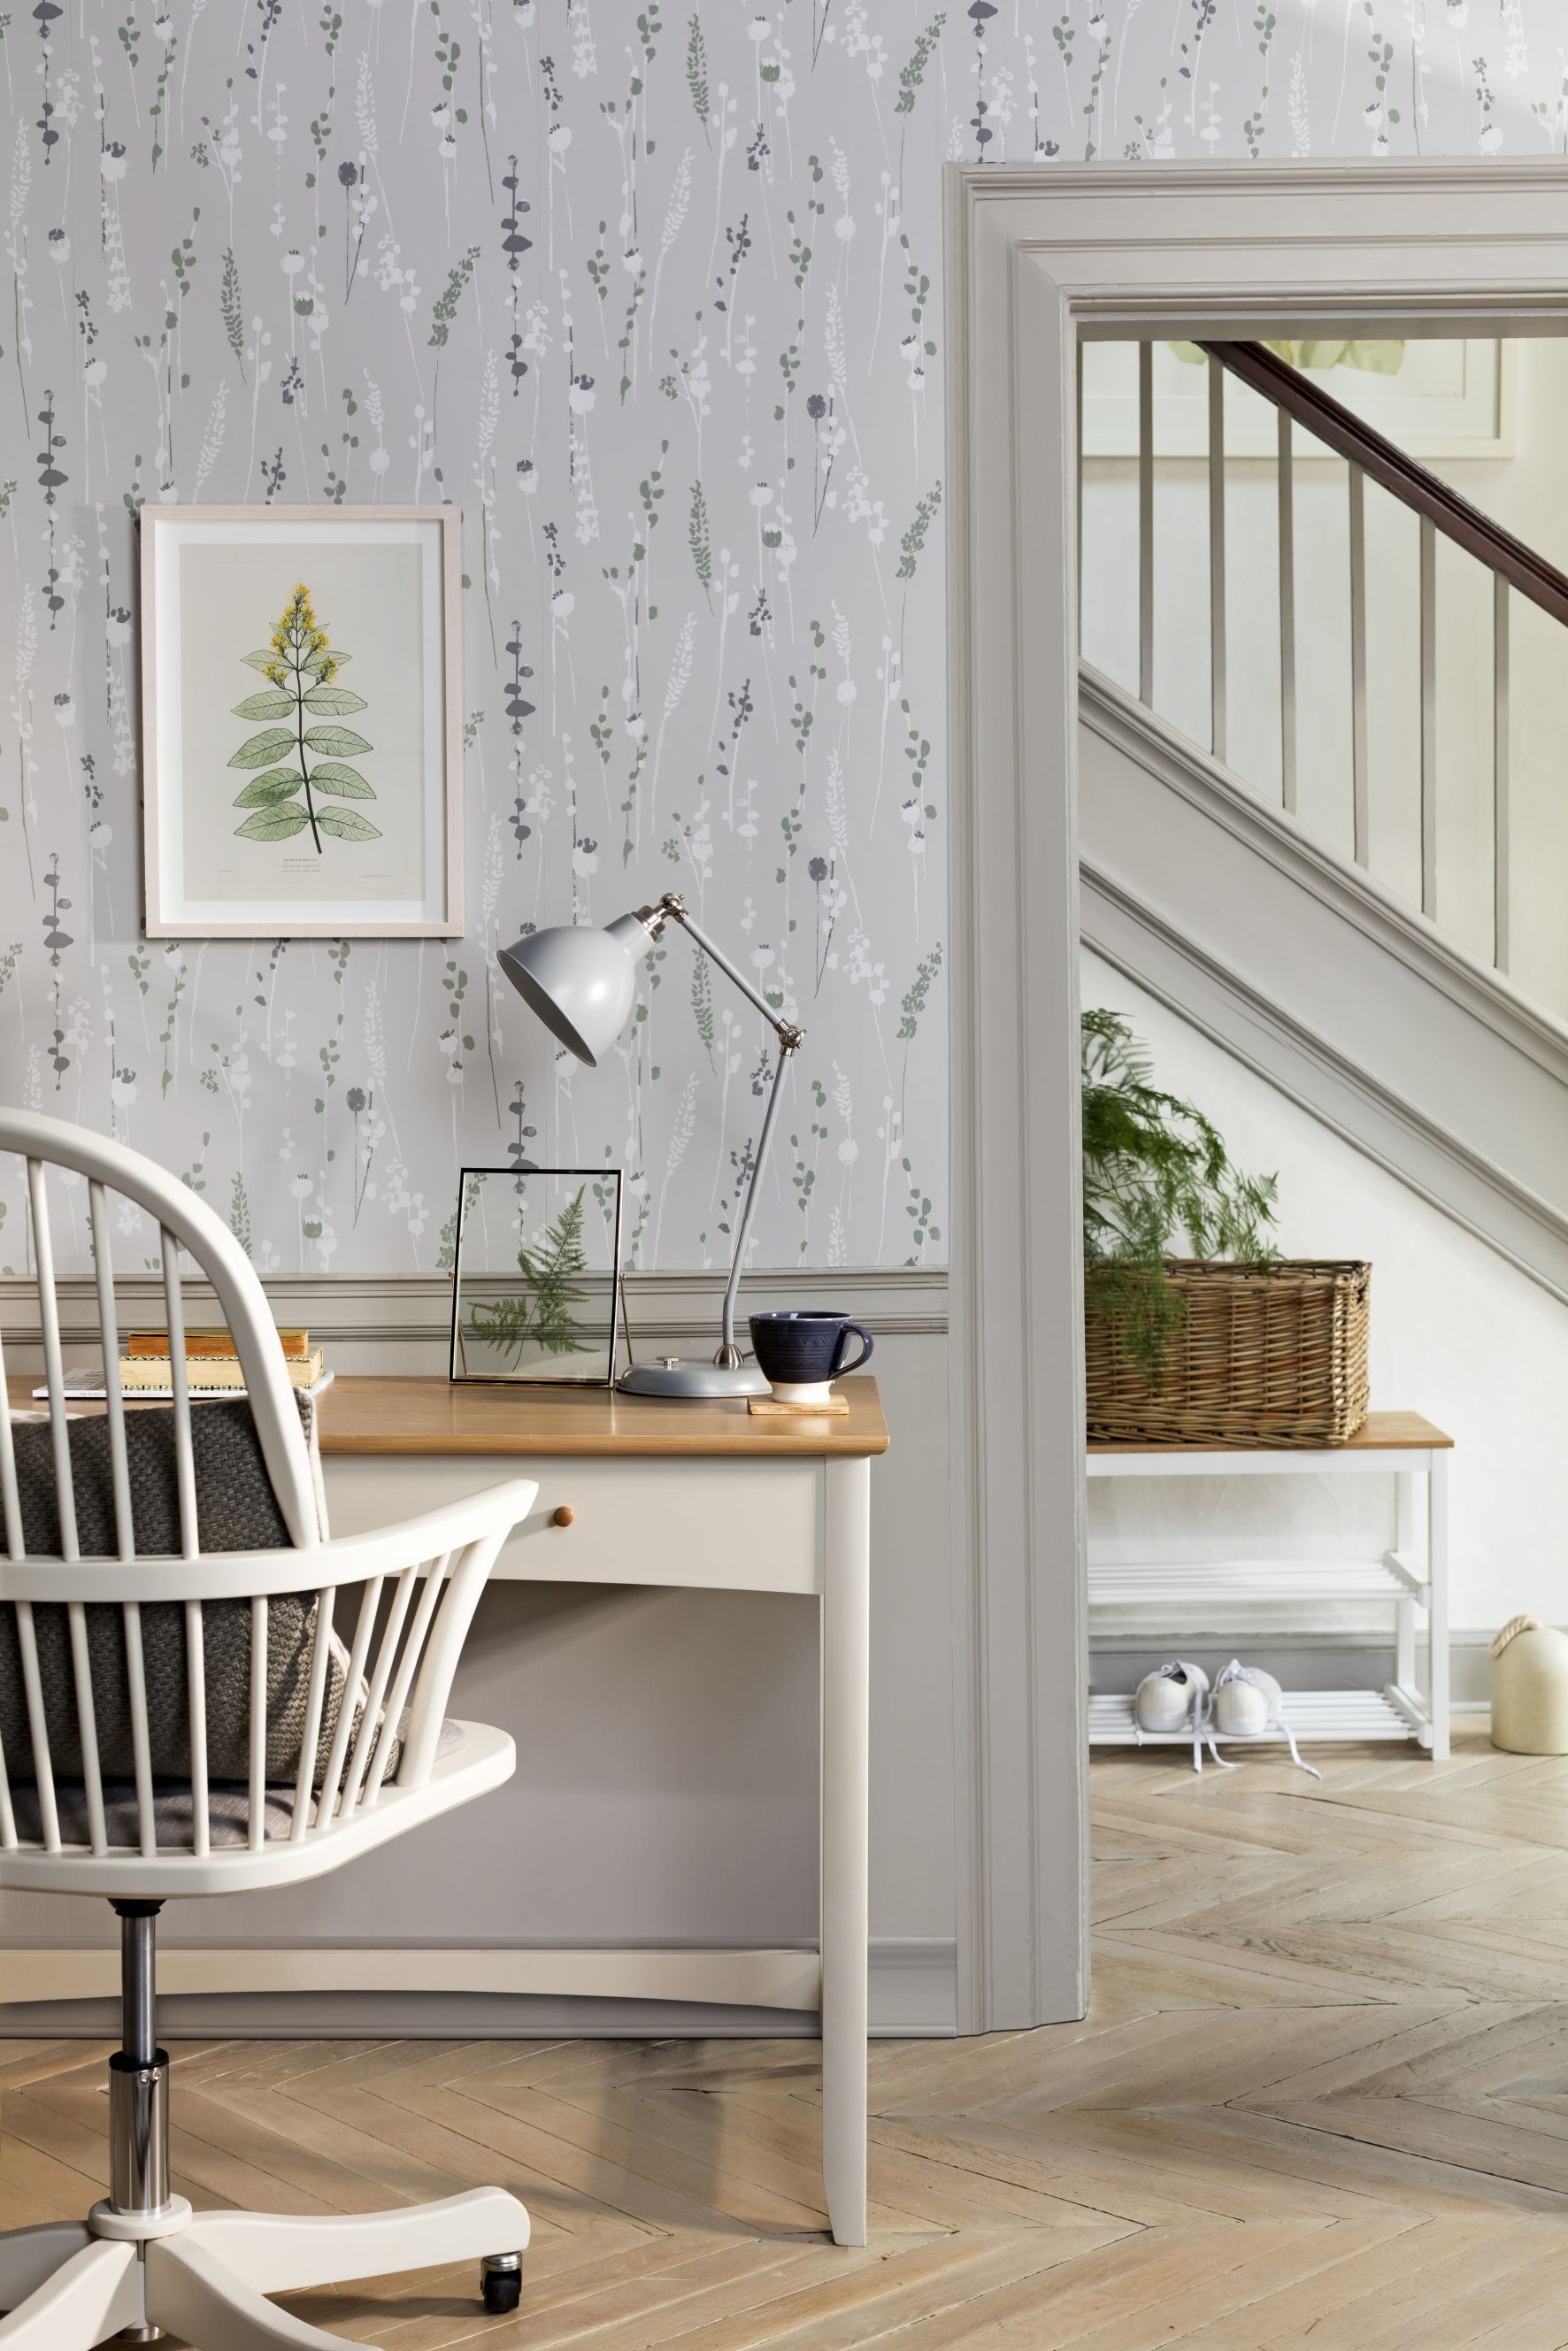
(1380, 1432)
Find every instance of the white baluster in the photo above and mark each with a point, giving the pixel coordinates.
(1287, 614)
(1428, 719)
(1501, 842)
(1078, 496)
(1361, 828)
(1217, 725)
(1146, 523)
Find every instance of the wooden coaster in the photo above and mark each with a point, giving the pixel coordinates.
(770, 1407)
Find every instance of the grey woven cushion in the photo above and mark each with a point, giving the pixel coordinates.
(235, 1507)
(236, 1511)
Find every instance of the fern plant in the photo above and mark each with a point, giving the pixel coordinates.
(1155, 1171)
(541, 1312)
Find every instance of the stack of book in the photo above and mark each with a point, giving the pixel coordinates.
(212, 1364)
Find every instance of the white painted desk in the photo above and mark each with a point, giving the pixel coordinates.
(701, 1496)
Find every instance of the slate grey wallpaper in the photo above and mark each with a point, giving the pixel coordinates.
(655, 298)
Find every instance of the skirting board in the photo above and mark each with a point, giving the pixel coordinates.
(623, 1993)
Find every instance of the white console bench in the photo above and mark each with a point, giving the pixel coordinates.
(1411, 1577)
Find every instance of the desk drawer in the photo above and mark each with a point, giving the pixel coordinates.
(747, 1525)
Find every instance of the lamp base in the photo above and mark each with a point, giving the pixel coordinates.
(692, 1383)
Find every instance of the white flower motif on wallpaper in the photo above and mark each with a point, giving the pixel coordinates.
(655, 300)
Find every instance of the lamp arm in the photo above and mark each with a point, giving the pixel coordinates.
(673, 905)
(728, 1354)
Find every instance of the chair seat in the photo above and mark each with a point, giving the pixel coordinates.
(471, 1757)
(174, 1808)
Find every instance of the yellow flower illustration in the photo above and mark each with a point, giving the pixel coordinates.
(301, 761)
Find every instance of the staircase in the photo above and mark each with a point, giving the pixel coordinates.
(1391, 1018)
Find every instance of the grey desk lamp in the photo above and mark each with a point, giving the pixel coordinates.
(583, 983)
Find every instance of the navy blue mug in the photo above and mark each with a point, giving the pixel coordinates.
(805, 1348)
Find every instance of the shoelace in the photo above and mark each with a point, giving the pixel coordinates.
(1236, 1672)
(1174, 1671)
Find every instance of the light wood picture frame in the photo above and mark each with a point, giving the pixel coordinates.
(266, 811)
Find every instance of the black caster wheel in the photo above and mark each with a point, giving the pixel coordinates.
(501, 2282)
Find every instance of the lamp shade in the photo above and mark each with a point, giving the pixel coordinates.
(582, 982)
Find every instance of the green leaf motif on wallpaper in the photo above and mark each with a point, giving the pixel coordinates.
(300, 666)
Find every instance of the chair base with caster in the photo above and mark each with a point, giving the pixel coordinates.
(143, 2264)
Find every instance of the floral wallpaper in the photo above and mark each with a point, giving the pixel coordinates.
(655, 298)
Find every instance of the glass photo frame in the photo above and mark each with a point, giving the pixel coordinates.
(536, 1285)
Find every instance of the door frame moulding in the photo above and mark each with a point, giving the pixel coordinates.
(1035, 259)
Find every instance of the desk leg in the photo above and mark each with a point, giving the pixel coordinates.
(846, 1690)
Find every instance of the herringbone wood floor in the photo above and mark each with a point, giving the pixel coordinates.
(1321, 2101)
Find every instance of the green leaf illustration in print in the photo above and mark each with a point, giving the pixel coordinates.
(300, 667)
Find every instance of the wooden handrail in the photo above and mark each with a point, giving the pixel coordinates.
(1411, 483)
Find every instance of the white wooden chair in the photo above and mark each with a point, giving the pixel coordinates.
(143, 2261)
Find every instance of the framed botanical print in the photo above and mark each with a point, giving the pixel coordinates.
(301, 722)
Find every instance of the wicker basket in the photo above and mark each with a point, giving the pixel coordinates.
(1266, 1354)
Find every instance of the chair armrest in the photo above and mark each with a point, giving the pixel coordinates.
(492, 1512)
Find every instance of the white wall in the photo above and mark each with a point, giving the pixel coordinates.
(1456, 1333)
(1528, 493)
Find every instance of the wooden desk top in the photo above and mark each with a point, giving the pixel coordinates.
(1380, 1432)
(431, 1415)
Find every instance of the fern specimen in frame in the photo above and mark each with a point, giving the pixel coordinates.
(299, 666)
(540, 1313)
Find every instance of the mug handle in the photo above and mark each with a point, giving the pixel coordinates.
(867, 1344)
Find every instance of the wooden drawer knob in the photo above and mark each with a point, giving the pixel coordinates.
(562, 1515)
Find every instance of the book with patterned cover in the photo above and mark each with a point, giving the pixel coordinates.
(203, 1343)
(210, 1372)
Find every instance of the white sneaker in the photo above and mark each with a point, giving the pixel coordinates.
(1174, 1699)
(1248, 1703)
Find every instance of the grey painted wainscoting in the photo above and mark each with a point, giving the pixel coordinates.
(665, 1792)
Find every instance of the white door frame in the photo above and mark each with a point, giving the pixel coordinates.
(1036, 257)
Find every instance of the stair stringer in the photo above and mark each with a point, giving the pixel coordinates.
(1351, 1003)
